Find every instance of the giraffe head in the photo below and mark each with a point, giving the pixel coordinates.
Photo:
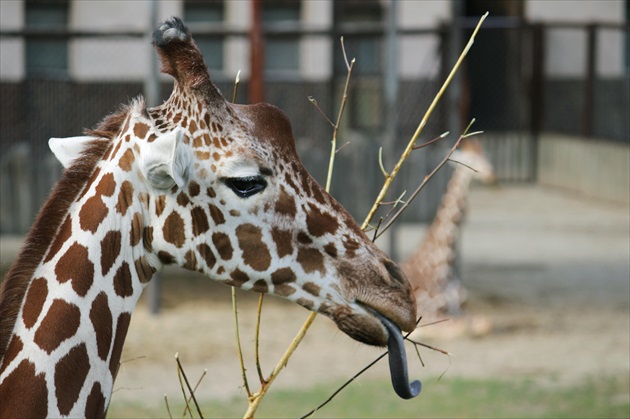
(224, 193)
(472, 154)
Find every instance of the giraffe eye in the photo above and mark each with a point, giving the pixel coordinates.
(246, 186)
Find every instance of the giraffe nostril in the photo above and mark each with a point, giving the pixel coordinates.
(395, 272)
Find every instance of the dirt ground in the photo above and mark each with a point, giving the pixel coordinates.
(548, 270)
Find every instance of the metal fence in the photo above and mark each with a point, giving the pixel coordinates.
(506, 85)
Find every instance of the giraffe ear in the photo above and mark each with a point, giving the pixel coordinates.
(67, 150)
(164, 161)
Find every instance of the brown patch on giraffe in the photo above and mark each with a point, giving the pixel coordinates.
(45, 228)
(283, 276)
(144, 269)
(95, 404)
(122, 325)
(60, 323)
(312, 288)
(193, 126)
(74, 265)
(173, 230)
(216, 214)
(304, 238)
(140, 130)
(238, 278)
(199, 221)
(14, 348)
(331, 250)
(255, 251)
(165, 257)
(160, 203)
(285, 204)
(260, 286)
(182, 199)
(193, 188)
(308, 304)
(216, 156)
(235, 213)
(29, 386)
(136, 229)
(311, 260)
(106, 186)
(101, 318)
(223, 245)
(125, 197)
(211, 193)
(126, 160)
(190, 260)
(283, 240)
(35, 299)
(65, 231)
(147, 238)
(110, 249)
(123, 284)
(202, 155)
(206, 253)
(283, 290)
(151, 138)
(320, 223)
(92, 214)
(70, 374)
(350, 245)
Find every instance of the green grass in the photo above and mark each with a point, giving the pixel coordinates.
(598, 397)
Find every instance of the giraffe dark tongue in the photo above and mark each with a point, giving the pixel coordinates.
(398, 361)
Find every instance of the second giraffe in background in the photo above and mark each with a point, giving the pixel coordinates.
(431, 267)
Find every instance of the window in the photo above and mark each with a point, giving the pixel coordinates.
(367, 49)
(207, 11)
(281, 54)
(47, 56)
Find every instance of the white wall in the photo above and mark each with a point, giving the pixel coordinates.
(11, 49)
(419, 53)
(566, 52)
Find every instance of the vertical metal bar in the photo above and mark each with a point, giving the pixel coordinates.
(390, 90)
(152, 97)
(537, 99)
(589, 82)
(257, 54)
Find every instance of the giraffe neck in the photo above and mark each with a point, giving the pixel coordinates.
(67, 336)
(431, 265)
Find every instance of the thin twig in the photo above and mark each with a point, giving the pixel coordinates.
(236, 81)
(423, 122)
(443, 135)
(168, 409)
(238, 343)
(196, 386)
(344, 99)
(344, 385)
(314, 102)
(463, 164)
(426, 179)
(342, 147)
(181, 385)
(257, 339)
(192, 392)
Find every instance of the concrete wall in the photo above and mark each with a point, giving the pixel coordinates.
(593, 167)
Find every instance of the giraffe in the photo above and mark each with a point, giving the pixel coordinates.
(430, 268)
(199, 182)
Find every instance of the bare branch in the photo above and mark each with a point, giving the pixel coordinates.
(238, 343)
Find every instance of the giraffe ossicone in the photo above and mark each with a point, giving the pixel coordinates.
(199, 182)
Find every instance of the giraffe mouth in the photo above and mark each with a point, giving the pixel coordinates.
(397, 358)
